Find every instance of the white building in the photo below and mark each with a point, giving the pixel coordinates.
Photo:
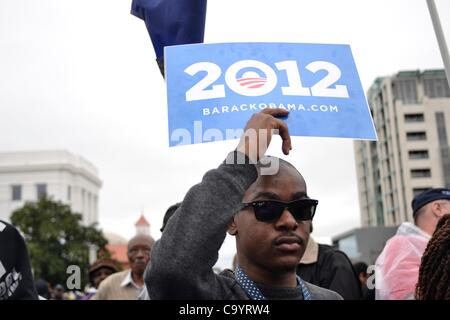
(24, 176)
(411, 112)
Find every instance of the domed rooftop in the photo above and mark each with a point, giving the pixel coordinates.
(114, 238)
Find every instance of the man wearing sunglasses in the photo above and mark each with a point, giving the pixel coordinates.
(270, 216)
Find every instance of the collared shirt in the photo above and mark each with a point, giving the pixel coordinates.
(118, 286)
(129, 282)
(311, 252)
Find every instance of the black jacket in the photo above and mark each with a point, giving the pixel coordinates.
(333, 270)
(16, 280)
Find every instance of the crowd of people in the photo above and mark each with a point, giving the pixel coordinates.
(270, 214)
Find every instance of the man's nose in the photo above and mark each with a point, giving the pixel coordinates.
(140, 254)
(286, 221)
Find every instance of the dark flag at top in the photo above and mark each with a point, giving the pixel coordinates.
(171, 22)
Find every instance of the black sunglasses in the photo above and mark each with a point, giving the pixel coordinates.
(271, 210)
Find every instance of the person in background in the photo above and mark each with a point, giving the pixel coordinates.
(329, 268)
(434, 272)
(170, 211)
(128, 284)
(361, 270)
(99, 271)
(58, 292)
(16, 278)
(397, 267)
(42, 289)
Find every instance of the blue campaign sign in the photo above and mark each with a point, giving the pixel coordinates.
(213, 89)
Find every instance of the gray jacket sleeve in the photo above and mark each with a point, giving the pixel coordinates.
(182, 260)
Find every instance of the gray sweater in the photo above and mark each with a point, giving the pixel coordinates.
(182, 260)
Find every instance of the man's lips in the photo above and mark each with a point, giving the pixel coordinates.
(288, 243)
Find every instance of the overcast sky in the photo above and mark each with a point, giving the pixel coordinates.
(80, 75)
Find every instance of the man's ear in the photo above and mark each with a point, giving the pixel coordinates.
(232, 227)
(437, 209)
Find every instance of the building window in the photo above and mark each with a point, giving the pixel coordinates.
(418, 154)
(414, 117)
(16, 192)
(420, 173)
(69, 193)
(406, 90)
(416, 191)
(416, 136)
(436, 88)
(41, 190)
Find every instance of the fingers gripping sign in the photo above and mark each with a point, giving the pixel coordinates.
(258, 133)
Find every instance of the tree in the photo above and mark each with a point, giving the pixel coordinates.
(56, 239)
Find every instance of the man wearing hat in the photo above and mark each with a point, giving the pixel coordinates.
(99, 271)
(397, 267)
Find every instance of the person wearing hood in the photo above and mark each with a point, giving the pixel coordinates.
(16, 278)
(397, 267)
